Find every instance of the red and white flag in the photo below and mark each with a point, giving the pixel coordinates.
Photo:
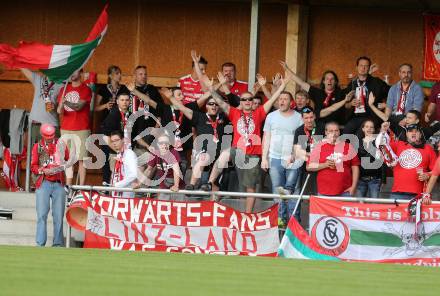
(431, 69)
(145, 224)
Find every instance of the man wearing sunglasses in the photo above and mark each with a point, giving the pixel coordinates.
(246, 144)
(209, 126)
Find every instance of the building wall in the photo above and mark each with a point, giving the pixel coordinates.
(157, 34)
(388, 36)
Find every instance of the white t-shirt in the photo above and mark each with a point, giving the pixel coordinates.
(128, 171)
(282, 130)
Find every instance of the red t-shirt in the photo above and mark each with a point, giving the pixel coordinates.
(191, 89)
(76, 120)
(238, 87)
(252, 122)
(334, 181)
(436, 170)
(164, 165)
(410, 160)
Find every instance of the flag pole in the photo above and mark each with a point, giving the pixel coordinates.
(298, 201)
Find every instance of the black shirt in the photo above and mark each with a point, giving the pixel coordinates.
(152, 119)
(114, 122)
(166, 117)
(301, 138)
(318, 95)
(368, 168)
(106, 94)
(380, 90)
(204, 126)
(400, 131)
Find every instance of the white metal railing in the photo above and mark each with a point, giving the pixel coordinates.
(239, 194)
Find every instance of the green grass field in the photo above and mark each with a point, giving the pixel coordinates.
(59, 271)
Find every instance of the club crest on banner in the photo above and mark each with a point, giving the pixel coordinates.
(331, 234)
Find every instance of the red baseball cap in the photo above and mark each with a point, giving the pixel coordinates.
(47, 131)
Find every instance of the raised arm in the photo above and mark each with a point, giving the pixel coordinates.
(268, 105)
(262, 82)
(144, 97)
(28, 74)
(304, 85)
(169, 95)
(196, 59)
(330, 109)
(380, 114)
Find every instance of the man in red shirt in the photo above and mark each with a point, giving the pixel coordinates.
(336, 162)
(416, 160)
(236, 87)
(246, 143)
(190, 85)
(47, 167)
(74, 107)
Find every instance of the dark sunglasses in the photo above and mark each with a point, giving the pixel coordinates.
(212, 104)
(246, 99)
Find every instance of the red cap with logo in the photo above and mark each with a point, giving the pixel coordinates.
(47, 131)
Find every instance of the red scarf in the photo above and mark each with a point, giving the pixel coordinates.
(402, 99)
(214, 125)
(309, 135)
(117, 173)
(246, 120)
(362, 97)
(328, 98)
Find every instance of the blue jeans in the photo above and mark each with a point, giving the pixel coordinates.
(55, 191)
(343, 194)
(369, 188)
(402, 195)
(280, 176)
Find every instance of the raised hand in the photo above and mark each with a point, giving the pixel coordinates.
(166, 92)
(371, 99)
(221, 78)
(195, 57)
(276, 80)
(349, 96)
(131, 86)
(261, 80)
(373, 68)
(385, 126)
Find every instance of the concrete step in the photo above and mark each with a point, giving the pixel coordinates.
(20, 240)
(23, 227)
(13, 200)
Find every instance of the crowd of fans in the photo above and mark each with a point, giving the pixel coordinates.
(218, 128)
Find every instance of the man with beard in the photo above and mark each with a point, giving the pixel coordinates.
(336, 164)
(416, 160)
(405, 95)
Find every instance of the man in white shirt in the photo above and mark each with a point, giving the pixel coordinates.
(279, 130)
(125, 171)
